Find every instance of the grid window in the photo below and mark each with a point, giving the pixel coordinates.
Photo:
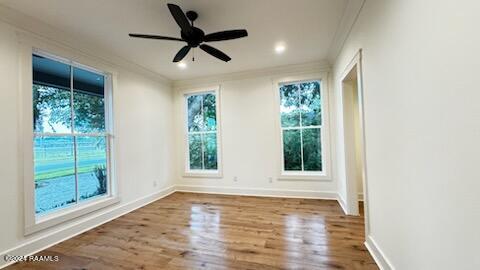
(301, 126)
(71, 140)
(202, 132)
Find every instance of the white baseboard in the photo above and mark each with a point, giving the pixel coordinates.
(45, 241)
(378, 255)
(342, 203)
(282, 193)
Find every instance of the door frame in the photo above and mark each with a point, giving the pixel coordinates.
(351, 199)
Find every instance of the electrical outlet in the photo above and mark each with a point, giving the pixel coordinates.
(270, 179)
(154, 183)
(235, 178)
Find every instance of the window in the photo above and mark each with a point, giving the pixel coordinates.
(302, 128)
(71, 137)
(202, 132)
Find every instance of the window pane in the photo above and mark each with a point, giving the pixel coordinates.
(195, 121)
(311, 103)
(51, 95)
(289, 105)
(89, 113)
(292, 150)
(89, 101)
(195, 151)
(91, 166)
(209, 112)
(210, 151)
(312, 149)
(51, 109)
(48, 72)
(54, 173)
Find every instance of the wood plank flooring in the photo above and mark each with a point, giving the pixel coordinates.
(203, 231)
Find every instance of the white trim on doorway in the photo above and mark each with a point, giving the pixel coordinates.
(352, 198)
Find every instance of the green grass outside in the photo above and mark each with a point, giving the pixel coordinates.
(62, 173)
(54, 157)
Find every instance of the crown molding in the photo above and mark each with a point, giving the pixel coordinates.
(349, 18)
(295, 69)
(48, 33)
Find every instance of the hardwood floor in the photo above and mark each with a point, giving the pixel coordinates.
(203, 231)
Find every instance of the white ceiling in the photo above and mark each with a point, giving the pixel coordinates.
(307, 27)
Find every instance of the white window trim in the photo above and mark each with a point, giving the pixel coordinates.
(325, 175)
(187, 172)
(29, 45)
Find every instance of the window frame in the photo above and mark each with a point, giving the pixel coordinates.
(187, 172)
(325, 174)
(36, 222)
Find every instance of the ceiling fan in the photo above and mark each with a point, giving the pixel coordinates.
(195, 37)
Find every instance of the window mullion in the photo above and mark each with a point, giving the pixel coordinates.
(203, 150)
(49, 134)
(298, 128)
(202, 133)
(75, 167)
(300, 106)
(301, 125)
(199, 132)
(72, 115)
(72, 110)
(301, 147)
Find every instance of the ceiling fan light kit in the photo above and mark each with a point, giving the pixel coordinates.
(194, 36)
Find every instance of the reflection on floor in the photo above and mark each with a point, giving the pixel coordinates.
(202, 231)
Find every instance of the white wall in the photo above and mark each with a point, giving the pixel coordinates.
(351, 120)
(358, 138)
(249, 135)
(356, 129)
(143, 138)
(422, 116)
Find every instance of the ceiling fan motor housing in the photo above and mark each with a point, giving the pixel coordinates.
(194, 38)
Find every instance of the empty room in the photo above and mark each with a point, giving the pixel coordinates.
(239, 134)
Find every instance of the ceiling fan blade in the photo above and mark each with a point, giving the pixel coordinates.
(180, 18)
(154, 37)
(181, 54)
(226, 35)
(215, 52)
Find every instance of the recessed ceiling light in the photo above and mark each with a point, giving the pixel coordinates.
(280, 48)
(182, 65)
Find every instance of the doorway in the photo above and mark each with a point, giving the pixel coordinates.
(354, 140)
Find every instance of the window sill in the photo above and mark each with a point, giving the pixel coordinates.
(202, 174)
(303, 177)
(63, 215)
